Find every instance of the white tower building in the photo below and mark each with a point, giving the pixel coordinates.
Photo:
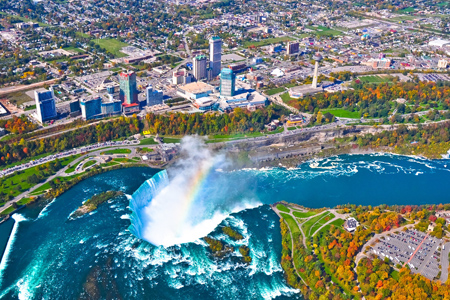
(215, 55)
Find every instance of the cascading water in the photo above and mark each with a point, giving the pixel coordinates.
(191, 204)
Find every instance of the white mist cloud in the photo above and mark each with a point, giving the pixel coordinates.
(191, 205)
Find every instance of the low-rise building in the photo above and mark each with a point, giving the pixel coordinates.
(195, 90)
(351, 224)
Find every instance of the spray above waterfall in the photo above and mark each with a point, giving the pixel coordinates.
(190, 204)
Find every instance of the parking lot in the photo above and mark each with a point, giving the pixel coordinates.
(399, 247)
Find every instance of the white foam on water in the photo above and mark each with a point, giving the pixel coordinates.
(4, 262)
(44, 211)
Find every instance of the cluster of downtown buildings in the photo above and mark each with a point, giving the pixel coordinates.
(123, 98)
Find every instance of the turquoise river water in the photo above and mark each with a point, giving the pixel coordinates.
(47, 255)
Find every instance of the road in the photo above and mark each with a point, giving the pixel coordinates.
(445, 263)
(18, 88)
(62, 172)
(275, 209)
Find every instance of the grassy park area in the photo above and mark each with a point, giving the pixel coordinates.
(116, 151)
(275, 91)
(342, 113)
(281, 207)
(148, 141)
(375, 79)
(309, 227)
(324, 31)
(301, 214)
(291, 223)
(266, 42)
(89, 163)
(111, 45)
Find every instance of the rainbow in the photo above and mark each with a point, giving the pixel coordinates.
(195, 186)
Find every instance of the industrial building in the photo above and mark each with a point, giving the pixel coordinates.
(45, 105)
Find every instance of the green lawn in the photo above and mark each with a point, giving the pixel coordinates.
(324, 31)
(342, 113)
(300, 214)
(406, 10)
(89, 163)
(111, 45)
(308, 224)
(41, 189)
(275, 91)
(374, 79)
(281, 207)
(322, 221)
(117, 151)
(23, 201)
(146, 149)
(24, 19)
(290, 222)
(18, 183)
(237, 135)
(148, 141)
(337, 223)
(285, 97)
(7, 211)
(82, 34)
(168, 140)
(268, 41)
(31, 107)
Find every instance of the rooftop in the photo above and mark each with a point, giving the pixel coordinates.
(197, 87)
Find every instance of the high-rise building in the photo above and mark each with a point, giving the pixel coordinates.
(215, 55)
(199, 67)
(128, 90)
(91, 108)
(317, 58)
(109, 108)
(227, 82)
(154, 97)
(45, 105)
(292, 48)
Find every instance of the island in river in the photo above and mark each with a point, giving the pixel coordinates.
(92, 204)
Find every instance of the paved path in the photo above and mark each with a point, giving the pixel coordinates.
(336, 216)
(444, 262)
(62, 172)
(275, 209)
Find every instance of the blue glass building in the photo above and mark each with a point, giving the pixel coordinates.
(91, 108)
(227, 82)
(45, 105)
(154, 97)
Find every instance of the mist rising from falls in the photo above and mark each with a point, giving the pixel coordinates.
(190, 204)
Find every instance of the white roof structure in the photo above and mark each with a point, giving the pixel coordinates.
(277, 73)
(439, 43)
